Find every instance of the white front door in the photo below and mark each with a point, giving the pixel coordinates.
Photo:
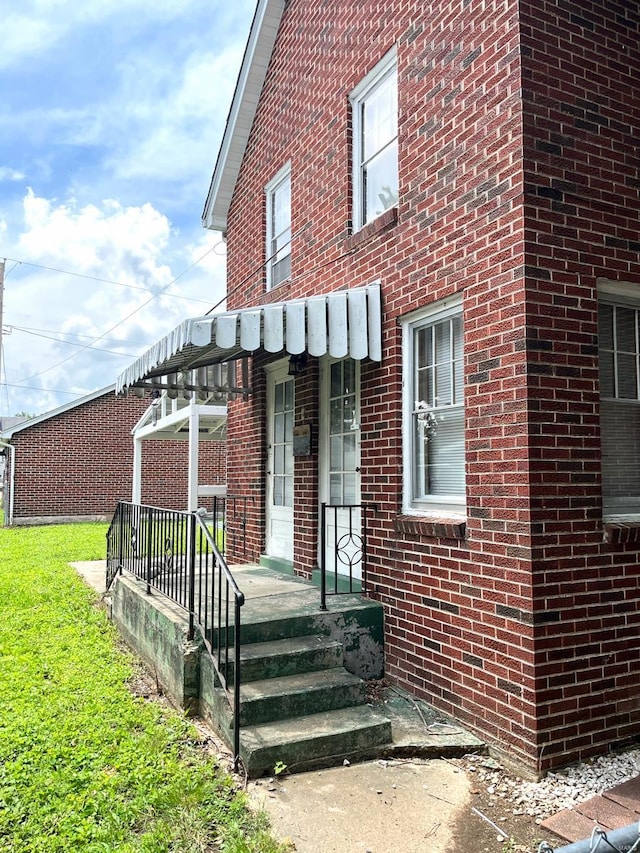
(340, 466)
(279, 497)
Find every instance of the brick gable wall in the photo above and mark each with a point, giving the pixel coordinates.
(472, 610)
(80, 463)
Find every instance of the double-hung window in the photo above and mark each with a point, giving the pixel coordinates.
(619, 360)
(434, 460)
(374, 105)
(278, 201)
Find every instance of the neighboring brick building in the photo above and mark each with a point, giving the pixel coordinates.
(479, 162)
(76, 462)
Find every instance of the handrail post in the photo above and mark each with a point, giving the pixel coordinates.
(192, 573)
(236, 684)
(120, 513)
(365, 523)
(149, 547)
(323, 556)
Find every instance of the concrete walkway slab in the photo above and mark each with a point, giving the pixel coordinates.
(93, 572)
(379, 806)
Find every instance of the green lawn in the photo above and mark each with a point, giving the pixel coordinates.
(85, 765)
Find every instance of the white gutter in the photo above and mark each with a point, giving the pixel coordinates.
(12, 460)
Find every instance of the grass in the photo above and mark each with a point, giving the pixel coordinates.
(85, 765)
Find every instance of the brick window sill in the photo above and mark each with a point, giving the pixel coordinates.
(620, 530)
(441, 528)
(386, 220)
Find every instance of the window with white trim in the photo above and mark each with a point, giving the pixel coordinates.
(434, 460)
(619, 361)
(374, 104)
(278, 201)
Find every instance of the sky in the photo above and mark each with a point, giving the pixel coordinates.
(112, 116)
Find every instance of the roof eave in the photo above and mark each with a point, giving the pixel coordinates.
(255, 62)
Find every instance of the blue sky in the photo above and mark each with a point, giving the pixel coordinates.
(113, 111)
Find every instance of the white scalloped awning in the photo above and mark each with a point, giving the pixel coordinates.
(339, 324)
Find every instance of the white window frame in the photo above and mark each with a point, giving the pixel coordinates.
(427, 505)
(619, 295)
(271, 189)
(374, 79)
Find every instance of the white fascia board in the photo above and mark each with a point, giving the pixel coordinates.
(253, 70)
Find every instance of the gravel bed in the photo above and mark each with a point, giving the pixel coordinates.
(559, 790)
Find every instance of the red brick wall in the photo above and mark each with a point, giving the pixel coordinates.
(582, 123)
(489, 626)
(80, 462)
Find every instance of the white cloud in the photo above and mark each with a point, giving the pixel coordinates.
(9, 174)
(135, 246)
(40, 25)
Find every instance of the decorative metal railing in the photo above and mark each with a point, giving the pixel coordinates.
(343, 548)
(180, 554)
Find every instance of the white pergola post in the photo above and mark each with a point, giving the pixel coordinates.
(136, 490)
(194, 439)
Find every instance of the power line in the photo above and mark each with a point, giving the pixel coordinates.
(70, 343)
(108, 280)
(124, 319)
(43, 390)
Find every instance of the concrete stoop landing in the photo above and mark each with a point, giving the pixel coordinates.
(304, 674)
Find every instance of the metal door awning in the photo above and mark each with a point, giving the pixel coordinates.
(342, 323)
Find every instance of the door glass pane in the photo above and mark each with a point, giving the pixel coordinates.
(335, 453)
(335, 426)
(278, 491)
(336, 379)
(349, 489)
(335, 489)
(288, 395)
(288, 491)
(288, 426)
(278, 428)
(349, 449)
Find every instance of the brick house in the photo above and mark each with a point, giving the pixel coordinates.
(76, 462)
(469, 170)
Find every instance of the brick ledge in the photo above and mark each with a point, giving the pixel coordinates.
(619, 532)
(386, 220)
(442, 528)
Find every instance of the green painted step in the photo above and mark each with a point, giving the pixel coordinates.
(298, 695)
(317, 740)
(291, 656)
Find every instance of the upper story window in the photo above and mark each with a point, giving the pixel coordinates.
(278, 201)
(619, 361)
(374, 104)
(434, 459)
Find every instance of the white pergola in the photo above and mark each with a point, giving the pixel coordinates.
(183, 420)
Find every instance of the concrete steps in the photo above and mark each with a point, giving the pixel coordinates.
(297, 695)
(314, 740)
(301, 707)
(290, 656)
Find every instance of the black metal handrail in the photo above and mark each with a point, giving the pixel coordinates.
(180, 554)
(348, 547)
